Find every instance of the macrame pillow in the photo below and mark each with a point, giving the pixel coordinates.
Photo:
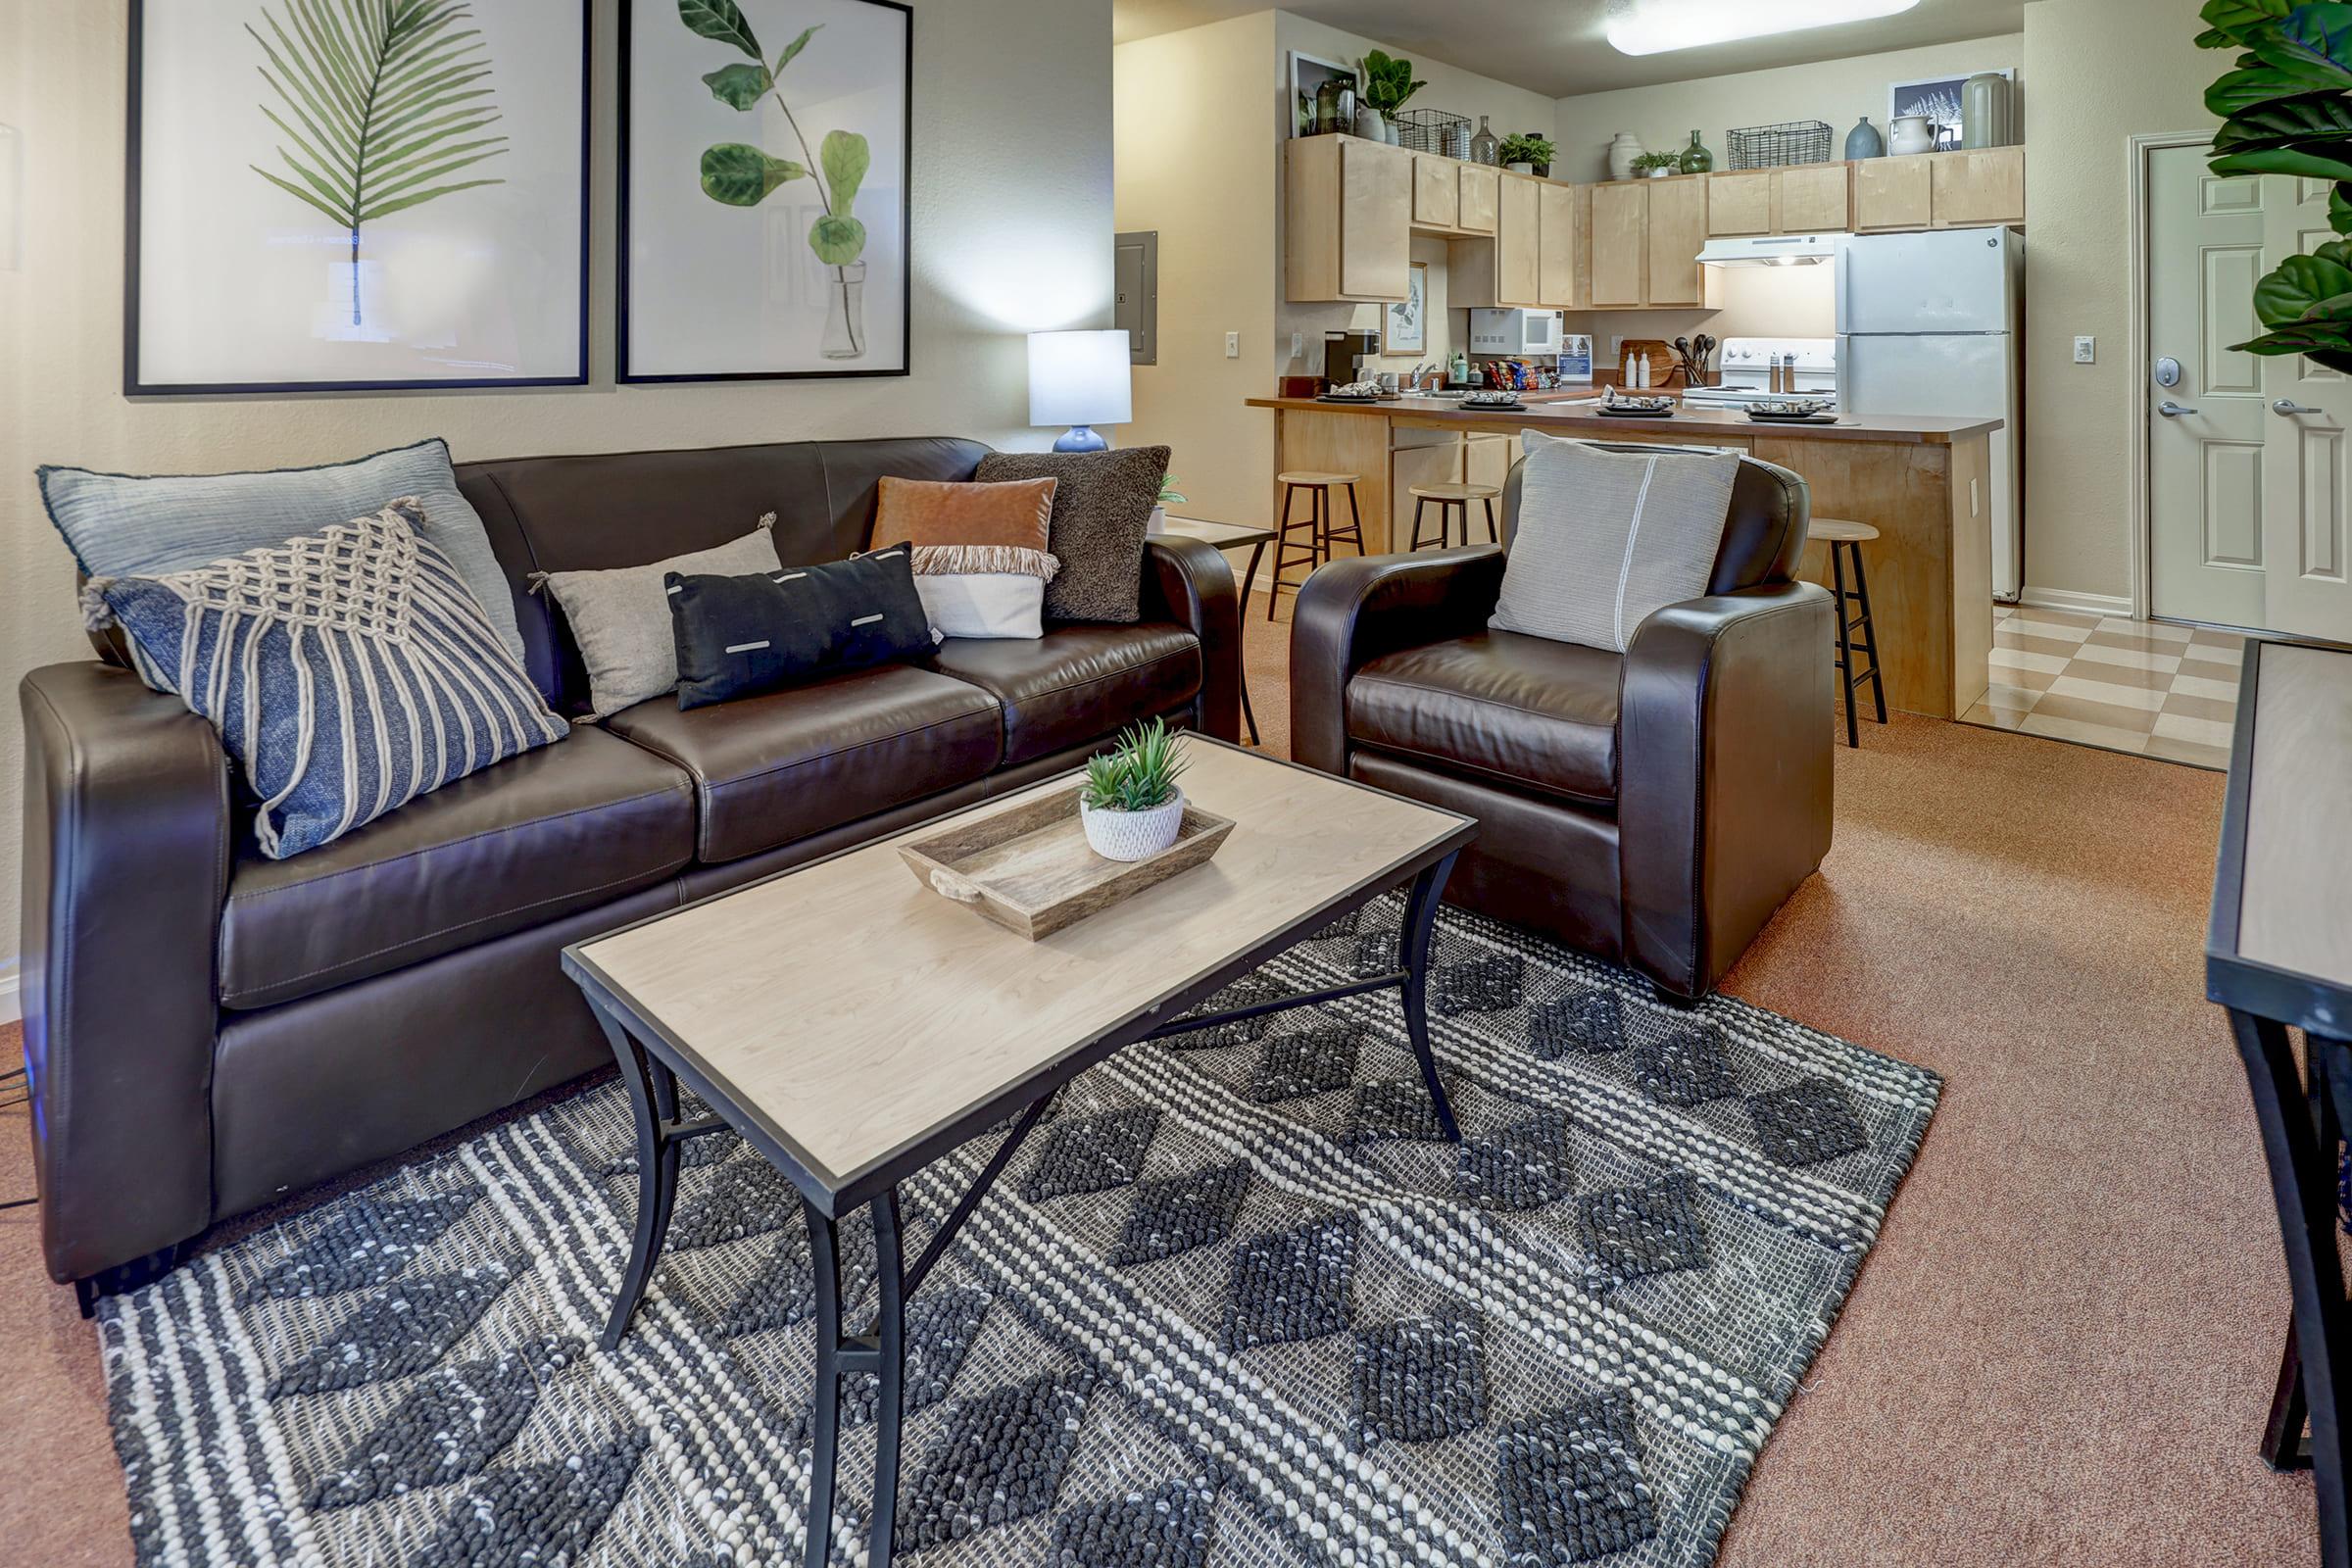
(348, 670)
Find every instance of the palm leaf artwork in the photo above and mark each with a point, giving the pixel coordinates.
(385, 103)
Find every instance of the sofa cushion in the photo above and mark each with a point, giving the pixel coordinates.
(1077, 683)
(562, 828)
(774, 767)
(1525, 711)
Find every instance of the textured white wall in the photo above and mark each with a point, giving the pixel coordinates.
(1013, 223)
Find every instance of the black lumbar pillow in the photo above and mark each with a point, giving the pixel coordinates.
(742, 635)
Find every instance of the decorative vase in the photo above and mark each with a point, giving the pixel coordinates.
(1697, 160)
(1621, 152)
(1864, 141)
(1985, 110)
(1520, 167)
(1542, 171)
(1157, 522)
(1913, 133)
(1483, 146)
(1371, 124)
(1335, 107)
(1132, 835)
(844, 313)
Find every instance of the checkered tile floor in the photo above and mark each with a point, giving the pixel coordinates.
(2137, 686)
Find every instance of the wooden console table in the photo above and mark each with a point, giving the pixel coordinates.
(2279, 955)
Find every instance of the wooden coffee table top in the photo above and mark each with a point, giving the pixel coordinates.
(868, 1024)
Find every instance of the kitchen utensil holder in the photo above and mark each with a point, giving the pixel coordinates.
(1793, 141)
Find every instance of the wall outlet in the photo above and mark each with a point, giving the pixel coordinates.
(2086, 349)
(1233, 345)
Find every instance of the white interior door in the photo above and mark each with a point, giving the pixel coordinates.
(2209, 427)
(2306, 588)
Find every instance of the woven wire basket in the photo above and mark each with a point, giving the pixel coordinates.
(1793, 141)
(1434, 131)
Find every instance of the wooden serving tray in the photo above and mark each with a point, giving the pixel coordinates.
(1029, 870)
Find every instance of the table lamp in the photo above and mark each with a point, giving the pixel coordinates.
(1079, 379)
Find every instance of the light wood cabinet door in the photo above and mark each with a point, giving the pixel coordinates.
(1678, 232)
(1375, 226)
(1518, 240)
(1811, 199)
(1983, 186)
(1892, 193)
(1621, 244)
(1480, 192)
(1740, 205)
(1556, 247)
(1437, 192)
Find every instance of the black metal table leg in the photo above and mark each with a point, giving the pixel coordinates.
(824, 1417)
(1412, 956)
(1250, 578)
(890, 1336)
(2283, 1445)
(654, 1098)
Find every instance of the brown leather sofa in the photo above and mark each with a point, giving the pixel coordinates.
(208, 1030)
(1654, 807)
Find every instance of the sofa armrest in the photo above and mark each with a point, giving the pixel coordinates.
(1355, 611)
(1191, 583)
(1724, 796)
(126, 852)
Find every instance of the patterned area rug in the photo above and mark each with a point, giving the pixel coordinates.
(1233, 1305)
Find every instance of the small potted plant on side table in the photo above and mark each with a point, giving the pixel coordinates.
(1169, 496)
(1528, 155)
(1130, 804)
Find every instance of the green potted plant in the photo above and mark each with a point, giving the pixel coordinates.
(1388, 84)
(1169, 496)
(1130, 804)
(2286, 109)
(1528, 155)
(1656, 166)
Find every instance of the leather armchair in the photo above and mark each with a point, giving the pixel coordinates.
(1653, 807)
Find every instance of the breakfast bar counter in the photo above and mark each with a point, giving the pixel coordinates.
(1925, 484)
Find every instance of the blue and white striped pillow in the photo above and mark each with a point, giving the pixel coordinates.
(348, 670)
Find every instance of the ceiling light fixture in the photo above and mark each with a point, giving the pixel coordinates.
(1655, 26)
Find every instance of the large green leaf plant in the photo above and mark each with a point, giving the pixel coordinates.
(740, 174)
(2286, 109)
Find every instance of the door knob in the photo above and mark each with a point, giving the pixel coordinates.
(2171, 409)
(2289, 408)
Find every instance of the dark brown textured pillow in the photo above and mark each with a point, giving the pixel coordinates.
(1101, 505)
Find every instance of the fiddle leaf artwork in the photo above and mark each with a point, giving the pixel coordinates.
(739, 174)
(385, 100)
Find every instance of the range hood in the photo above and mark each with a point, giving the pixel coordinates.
(1771, 250)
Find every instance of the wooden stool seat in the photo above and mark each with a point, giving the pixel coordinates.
(1453, 492)
(1316, 476)
(1838, 530)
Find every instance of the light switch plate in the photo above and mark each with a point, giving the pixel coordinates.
(2086, 349)
(1297, 345)
(1233, 345)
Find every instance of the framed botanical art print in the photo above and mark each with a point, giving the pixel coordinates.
(763, 189)
(1404, 324)
(346, 195)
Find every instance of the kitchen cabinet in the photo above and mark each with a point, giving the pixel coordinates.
(1980, 187)
(1678, 232)
(1437, 192)
(1531, 262)
(1480, 195)
(1620, 245)
(1518, 237)
(1809, 199)
(1644, 243)
(1892, 194)
(1740, 204)
(1347, 206)
(1556, 246)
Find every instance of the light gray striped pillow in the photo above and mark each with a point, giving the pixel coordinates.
(1605, 538)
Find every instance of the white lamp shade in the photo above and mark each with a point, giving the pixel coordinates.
(1079, 378)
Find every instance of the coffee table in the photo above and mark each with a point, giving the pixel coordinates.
(854, 1026)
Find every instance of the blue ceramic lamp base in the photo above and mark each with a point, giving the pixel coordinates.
(1081, 438)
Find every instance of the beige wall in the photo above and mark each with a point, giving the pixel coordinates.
(1011, 232)
(2129, 67)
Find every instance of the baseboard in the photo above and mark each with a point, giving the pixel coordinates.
(12, 1006)
(2033, 598)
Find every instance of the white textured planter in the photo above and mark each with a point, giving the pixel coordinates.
(1157, 522)
(1133, 835)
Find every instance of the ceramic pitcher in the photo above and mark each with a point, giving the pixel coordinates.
(1912, 133)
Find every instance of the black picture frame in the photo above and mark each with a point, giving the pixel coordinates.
(134, 388)
(621, 279)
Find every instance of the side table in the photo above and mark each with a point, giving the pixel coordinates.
(1231, 536)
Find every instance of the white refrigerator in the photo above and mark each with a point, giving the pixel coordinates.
(1929, 324)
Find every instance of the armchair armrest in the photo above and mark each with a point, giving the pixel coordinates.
(1725, 747)
(1352, 611)
(126, 852)
(1191, 583)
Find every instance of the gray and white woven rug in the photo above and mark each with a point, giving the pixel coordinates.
(1233, 1305)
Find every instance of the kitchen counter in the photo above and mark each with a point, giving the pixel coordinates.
(1564, 412)
(1924, 483)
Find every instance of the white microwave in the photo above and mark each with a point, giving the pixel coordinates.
(1515, 334)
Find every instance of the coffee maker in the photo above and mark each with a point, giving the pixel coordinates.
(1345, 353)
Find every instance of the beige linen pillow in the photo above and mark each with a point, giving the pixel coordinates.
(620, 619)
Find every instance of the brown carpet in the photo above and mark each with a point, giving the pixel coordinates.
(2061, 1351)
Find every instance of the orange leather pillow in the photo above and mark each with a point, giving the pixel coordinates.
(961, 528)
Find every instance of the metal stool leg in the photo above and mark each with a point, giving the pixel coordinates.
(1355, 520)
(1492, 537)
(1846, 647)
(1870, 633)
(1420, 511)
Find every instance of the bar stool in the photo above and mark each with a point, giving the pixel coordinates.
(1452, 500)
(1848, 537)
(1316, 524)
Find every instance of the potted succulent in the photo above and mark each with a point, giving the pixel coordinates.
(1130, 804)
(1528, 155)
(1169, 496)
(1388, 84)
(1656, 166)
